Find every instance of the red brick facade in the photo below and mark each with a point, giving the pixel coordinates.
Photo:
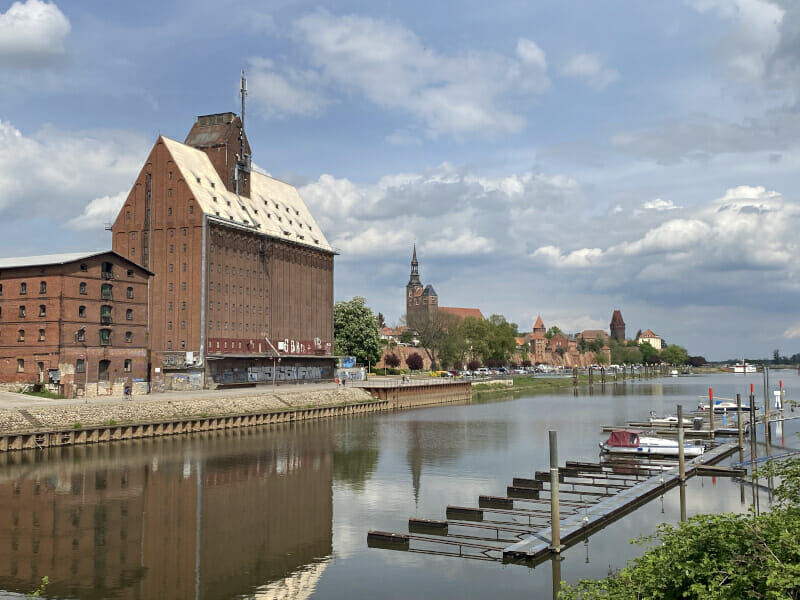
(77, 323)
(223, 283)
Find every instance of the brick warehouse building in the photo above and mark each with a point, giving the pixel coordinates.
(243, 273)
(77, 320)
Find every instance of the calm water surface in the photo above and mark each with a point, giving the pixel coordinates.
(283, 512)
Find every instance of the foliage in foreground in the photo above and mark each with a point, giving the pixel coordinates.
(716, 557)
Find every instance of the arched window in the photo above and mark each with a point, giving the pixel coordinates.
(22, 311)
(41, 335)
(42, 310)
(23, 288)
(21, 335)
(81, 335)
(129, 315)
(129, 293)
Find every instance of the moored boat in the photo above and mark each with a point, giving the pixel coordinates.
(631, 442)
(667, 420)
(722, 406)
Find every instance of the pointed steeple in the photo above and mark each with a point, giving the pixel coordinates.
(414, 279)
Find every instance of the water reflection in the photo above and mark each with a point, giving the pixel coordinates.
(162, 518)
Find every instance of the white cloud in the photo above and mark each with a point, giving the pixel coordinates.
(464, 243)
(748, 48)
(52, 172)
(792, 332)
(280, 94)
(99, 212)
(32, 34)
(659, 205)
(581, 258)
(590, 68)
(387, 64)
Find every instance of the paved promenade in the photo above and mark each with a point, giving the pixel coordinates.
(19, 412)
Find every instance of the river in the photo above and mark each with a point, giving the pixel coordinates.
(283, 512)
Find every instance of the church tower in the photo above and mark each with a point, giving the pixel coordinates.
(422, 302)
(617, 326)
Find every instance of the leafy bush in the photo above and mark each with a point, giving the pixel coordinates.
(414, 361)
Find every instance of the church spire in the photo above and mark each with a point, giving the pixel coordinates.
(414, 279)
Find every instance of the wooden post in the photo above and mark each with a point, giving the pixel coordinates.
(739, 426)
(711, 410)
(555, 510)
(681, 463)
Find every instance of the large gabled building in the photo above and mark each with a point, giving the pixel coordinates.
(243, 273)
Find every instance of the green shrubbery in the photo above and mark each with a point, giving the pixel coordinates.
(716, 557)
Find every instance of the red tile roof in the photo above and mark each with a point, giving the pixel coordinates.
(649, 334)
(462, 312)
(539, 323)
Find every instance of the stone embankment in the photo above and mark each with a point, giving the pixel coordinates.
(65, 414)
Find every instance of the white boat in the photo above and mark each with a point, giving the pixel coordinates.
(744, 367)
(667, 421)
(674, 373)
(722, 406)
(631, 442)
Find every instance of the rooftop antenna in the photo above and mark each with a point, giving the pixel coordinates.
(243, 92)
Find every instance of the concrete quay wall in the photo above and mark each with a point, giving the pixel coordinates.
(65, 424)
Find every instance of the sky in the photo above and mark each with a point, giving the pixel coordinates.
(548, 158)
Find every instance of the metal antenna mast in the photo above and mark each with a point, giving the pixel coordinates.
(243, 92)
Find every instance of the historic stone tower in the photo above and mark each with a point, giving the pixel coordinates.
(422, 303)
(617, 326)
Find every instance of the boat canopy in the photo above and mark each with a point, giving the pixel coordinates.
(624, 438)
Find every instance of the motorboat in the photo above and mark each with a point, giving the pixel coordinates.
(742, 368)
(667, 420)
(723, 406)
(673, 373)
(632, 442)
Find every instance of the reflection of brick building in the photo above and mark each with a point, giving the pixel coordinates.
(141, 522)
(76, 319)
(237, 258)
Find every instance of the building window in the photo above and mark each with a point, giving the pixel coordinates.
(171, 267)
(129, 293)
(41, 335)
(169, 306)
(184, 231)
(130, 272)
(82, 311)
(127, 365)
(105, 314)
(183, 286)
(183, 344)
(80, 366)
(129, 336)
(127, 215)
(23, 288)
(184, 247)
(133, 235)
(21, 335)
(42, 287)
(105, 291)
(171, 248)
(191, 209)
(183, 305)
(84, 267)
(129, 315)
(82, 287)
(170, 286)
(211, 286)
(105, 337)
(133, 251)
(183, 324)
(169, 344)
(22, 311)
(42, 310)
(81, 335)
(169, 325)
(169, 194)
(1, 289)
(20, 365)
(169, 210)
(183, 268)
(170, 175)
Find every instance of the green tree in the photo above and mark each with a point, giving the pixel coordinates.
(355, 331)
(675, 355)
(649, 354)
(475, 333)
(502, 339)
(716, 557)
(407, 336)
(552, 331)
(392, 360)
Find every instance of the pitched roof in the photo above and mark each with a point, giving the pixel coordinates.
(462, 312)
(429, 291)
(649, 334)
(590, 334)
(274, 208)
(520, 341)
(539, 323)
(58, 259)
(616, 318)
